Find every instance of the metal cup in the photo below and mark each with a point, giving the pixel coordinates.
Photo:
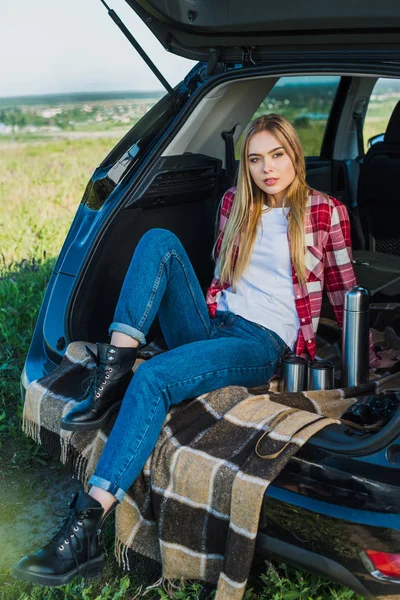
(321, 375)
(293, 374)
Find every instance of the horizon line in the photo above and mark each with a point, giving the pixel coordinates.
(161, 90)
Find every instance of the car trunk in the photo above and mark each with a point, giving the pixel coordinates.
(182, 194)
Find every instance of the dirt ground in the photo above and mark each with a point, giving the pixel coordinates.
(28, 499)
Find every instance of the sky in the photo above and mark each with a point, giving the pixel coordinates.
(55, 46)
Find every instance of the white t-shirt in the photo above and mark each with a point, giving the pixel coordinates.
(265, 292)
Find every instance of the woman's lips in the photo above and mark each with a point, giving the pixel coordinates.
(270, 181)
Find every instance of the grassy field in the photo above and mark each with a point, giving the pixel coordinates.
(41, 185)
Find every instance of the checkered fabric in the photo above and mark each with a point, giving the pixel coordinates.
(195, 507)
(328, 260)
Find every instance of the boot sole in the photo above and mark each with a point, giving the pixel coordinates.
(90, 570)
(90, 425)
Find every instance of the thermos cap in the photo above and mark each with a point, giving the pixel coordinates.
(320, 364)
(356, 300)
(292, 359)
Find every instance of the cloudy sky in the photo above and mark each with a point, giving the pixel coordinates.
(56, 46)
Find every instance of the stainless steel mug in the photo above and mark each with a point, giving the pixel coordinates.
(355, 337)
(293, 374)
(320, 375)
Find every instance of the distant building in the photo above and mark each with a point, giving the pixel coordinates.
(49, 113)
(5, 129)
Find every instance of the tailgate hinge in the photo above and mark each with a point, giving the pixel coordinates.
(214, 66)
(247, 58)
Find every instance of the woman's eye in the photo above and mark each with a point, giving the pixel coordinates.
(252, 160)
(278, 154)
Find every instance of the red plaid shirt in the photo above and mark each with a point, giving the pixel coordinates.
(328, 261)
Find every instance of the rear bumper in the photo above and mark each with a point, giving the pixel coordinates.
(329, 539)
(310, 561)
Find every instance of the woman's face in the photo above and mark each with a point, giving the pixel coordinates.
(270, 165)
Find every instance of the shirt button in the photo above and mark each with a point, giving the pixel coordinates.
(303, 320)
(309, 342)
(298, 295)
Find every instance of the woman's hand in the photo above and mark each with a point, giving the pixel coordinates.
(387, 358)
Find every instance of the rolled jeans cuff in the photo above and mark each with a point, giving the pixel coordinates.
(107, 486)
(128, 330)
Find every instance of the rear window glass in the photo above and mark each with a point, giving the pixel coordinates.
(384, 97)
(306, 102)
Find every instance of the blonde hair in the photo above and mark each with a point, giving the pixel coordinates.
(249, 202)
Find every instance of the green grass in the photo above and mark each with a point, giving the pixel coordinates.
(276, 582)
(41, 186)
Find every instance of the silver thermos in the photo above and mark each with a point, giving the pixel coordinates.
(293, 374)
(355, 338)
(321, 375)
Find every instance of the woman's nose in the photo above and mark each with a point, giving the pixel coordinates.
(266, 166)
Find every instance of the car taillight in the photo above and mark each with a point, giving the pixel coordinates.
(385, 563)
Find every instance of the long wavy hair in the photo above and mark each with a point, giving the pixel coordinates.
(241, 228)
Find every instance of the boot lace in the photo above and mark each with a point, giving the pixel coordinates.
(70, 525)
(99, 380)
(100, 375)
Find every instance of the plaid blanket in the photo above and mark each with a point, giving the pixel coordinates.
(195, 507)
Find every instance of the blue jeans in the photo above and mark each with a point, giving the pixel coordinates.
(203, 353)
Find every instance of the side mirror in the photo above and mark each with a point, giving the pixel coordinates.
(375, 139)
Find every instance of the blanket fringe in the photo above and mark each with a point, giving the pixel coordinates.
(50, 442)
(154, 585)
(146, 569)
(121, 554)
(171, 586)
(65, 443)
(74, 461)
(31, 429)
(168, 586)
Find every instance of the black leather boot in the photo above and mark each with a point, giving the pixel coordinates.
(76, 548)
(108, 385)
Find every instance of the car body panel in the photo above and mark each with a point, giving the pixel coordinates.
(197, 28)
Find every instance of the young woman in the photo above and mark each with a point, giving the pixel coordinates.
(279, 244)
